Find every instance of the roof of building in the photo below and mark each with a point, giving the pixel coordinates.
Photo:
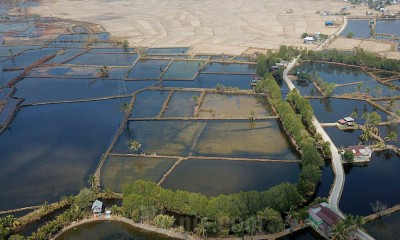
(328, 216)
(349, 119)
(323, 212)
(360, 150)
(342, 121)
(97, 205)
(309, 39)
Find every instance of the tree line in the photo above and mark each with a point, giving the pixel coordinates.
(358, 57)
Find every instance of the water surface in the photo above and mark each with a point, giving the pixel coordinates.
(110, 230)
(48, 151)
(214, 177)
(377, 180)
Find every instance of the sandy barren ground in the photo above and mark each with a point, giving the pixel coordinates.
(209, 26)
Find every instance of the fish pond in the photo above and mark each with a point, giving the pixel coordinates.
(377, 180)
(214, 177)
(359, 28)
(231, 106)
(110, 230)
(329, 110)
(217, 138)
(48, 151)
(385, 228)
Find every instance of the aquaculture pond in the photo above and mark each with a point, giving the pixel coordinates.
(148, 69)
(220, 67)
(110, 230)
(387, 105)
(214, 177)
(369, 87)
(386, 130)
(376, 180)
(182, 70)
(307, 88)
(66, 72)
(67, 139)
(329, 110)
(181, 104)
(27, 58)
(65, 55)
(260, 139)
(36, 90)
(211, 80)
(148, 103)
(118, 171)
(167, 51)
(385, 228)
(334, 73)
(344, 138)
(359, 28)
(304, 234)
(391, 27)
(105, 59)
(234, 106)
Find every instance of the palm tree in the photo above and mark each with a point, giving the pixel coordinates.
(201, 228)
(252, 115)
(92, 182)
(391, 136)
(339, 231)
(367, 90)
(135, 146)
(366, 135)
(354, 114)
(392, 88)
(378, 90)
(272, 219)
(125, 108)
(358, 87)
(252, 226)
(390, 104)
(239, 229)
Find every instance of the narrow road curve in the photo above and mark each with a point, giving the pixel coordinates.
(337, 166)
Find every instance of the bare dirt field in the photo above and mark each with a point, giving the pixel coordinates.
(216, 26)
(209, 26)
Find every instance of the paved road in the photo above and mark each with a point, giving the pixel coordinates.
(337, 166)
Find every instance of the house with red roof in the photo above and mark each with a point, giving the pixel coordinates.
(322, 218)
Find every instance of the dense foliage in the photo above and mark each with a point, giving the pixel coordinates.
(293, 119)
(359, 57)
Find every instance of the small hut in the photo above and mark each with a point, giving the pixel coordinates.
(97, 208)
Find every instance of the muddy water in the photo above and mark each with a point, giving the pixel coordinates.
(118, 171)
(261, 139)
(111, 230)
(231, 106)
(214, 177)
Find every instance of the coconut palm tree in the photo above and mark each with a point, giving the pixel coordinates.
(252, 226)
(135, 146)
(390, 104)
(392, 88)
(391, 136)
(378, 90)
(239, 229)
(125, 108)
(367, 90)
(252, 115)
(201, 228)
(358, 87)
(92, 180)
(366, 135)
